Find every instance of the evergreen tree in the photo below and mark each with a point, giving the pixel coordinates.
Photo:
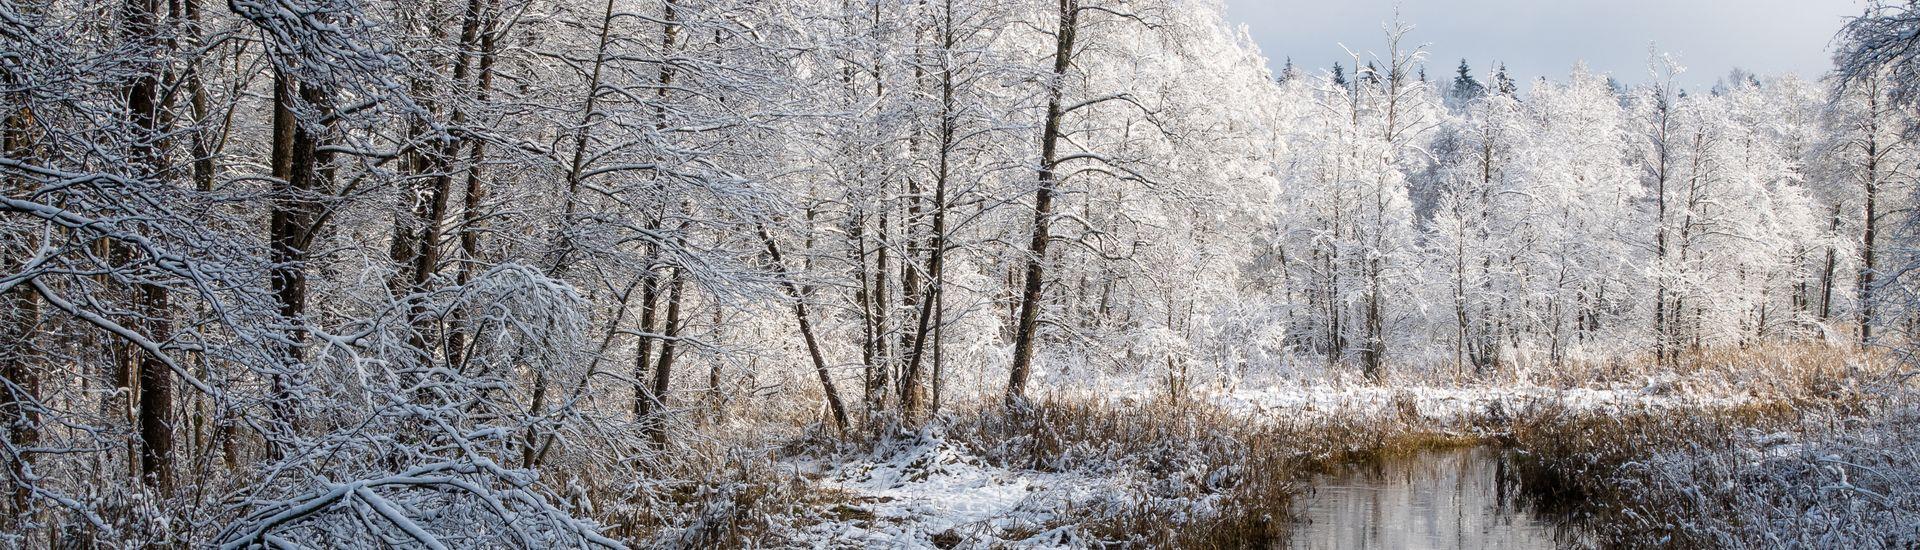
(1466, 88)
(1503, 83)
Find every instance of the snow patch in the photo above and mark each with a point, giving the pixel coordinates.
(927, 492)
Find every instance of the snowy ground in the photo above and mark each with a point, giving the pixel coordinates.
(1456, 403)
(1269, 397)
(1815, 477)
(930, 492)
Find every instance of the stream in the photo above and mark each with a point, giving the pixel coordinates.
(1444, 499)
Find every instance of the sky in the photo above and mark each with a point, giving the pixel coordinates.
(1537, 38)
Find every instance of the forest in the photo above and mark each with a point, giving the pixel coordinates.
(925, 273)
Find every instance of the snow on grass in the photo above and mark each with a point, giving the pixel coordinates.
(1454, 403)
(930, 491)
(1321, 398)
(927, 492)
(1810, 477)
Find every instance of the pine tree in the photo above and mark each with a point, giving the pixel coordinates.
(1466, 88)
(1504, 84)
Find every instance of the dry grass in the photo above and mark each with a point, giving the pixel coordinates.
(1766, 370)
(1804, 473)
(1572, 463)
(1253, 469)
(1249, 472)
(1696, 478)
(1246, 473)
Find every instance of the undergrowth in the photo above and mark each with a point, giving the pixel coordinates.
(1838, 473)
(1215, 479)
(1809, 454)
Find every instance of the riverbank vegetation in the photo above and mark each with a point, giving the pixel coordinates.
(1095, 469)
(1813, 473)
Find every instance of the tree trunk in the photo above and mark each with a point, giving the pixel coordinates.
(20, 313)
(643, 398)
(646, 400)
(562, 260)
(1661, 331)
(937, 239)
(872, 378)
(293, 223)
(147, 152)
(1827, 273)
(1042, 208)
(1868, 236)
(834, 405)
(883, 309)
(663, 369)
(473, 202)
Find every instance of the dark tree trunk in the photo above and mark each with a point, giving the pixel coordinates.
(20, 313)
(663, 369)
(883, 311)
(417, 251)
(562, 255)
(1868, 237)
(1827, 273)
(871, 375)
(646, 400)
(834, 405)
(937, 239)
(154, 409)
(1030, 297)
(643, 398)
(1661, 332)
(473, 202)
(297, 164)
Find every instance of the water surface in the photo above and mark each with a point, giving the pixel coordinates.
(1452, 499)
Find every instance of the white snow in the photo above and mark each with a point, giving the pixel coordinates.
(926, 491)
(1451, 403)
(927, 488)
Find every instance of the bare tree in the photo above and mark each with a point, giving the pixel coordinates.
(1027, 327)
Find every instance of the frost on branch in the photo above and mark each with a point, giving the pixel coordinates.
(421, 456)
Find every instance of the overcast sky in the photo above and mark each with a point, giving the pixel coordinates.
(1545, 37)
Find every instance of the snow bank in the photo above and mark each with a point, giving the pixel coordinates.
(1455, 403)
(927, 492)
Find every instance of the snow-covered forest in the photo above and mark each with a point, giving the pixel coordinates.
(532, 273)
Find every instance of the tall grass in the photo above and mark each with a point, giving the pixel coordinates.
(1844, 474)
(1213, 478)
(1199, 476)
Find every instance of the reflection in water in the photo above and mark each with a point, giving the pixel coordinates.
(1441, 499)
